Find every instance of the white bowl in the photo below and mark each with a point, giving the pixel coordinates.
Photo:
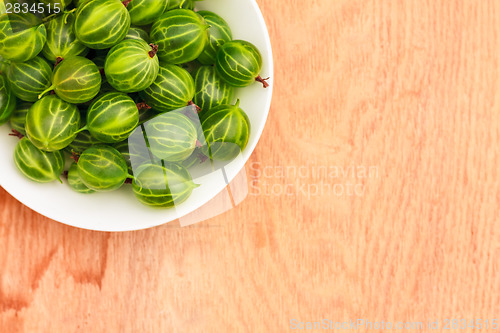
(119, 210)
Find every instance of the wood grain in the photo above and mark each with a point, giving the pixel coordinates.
(410, 88)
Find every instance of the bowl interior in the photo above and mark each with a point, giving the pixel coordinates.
(119, 210)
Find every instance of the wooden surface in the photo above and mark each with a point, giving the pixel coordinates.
(408, 88)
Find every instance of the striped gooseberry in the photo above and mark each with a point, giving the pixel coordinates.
(7, 100)
(29, 79)
(172, 89)
(18, 118)
(171, 136)
(227, 130)
(75, 181)
(22, 36)
(51, 123)
(219, 33)
(100, 24)
(75, 80)
(162, 185)
(211, 91)
(181, 36)
(37, 165)
(61, 39)
(239, 63)
(144, 12)
(112, 117)
(131, 65)
(102, 168)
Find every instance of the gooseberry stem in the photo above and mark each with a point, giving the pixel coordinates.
(192, 111)
(143, 105)
(66, 14)
(58, 61)
(154, 49)
(198, 144)
(198, 109)
(75, 156)
(129, 179)
(16, 133)
(202, 157)
(84, 128)
(48, 18)
(263, 81)
(126, 2)
(46, 91)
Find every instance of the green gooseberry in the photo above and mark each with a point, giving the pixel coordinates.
(211, 91)
(181, 36)
(100, 24)
(219, 33)
(172, 89)
(75, 80)
(171, 136)
(52, 124)
(38, 165)
(143, 12)
(164, 185)
(75, 182)
(239, 63)
(186, 4)
(22, 36)
(29, 79)
(227, 130)
(112, 117)
(102, 168)
(131, 65)
(7, 100)
(61, 39)
(82, 141)
(18, 118)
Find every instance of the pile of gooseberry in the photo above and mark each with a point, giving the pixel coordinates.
(75, 86)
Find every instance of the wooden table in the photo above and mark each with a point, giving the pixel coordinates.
(389, 113)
